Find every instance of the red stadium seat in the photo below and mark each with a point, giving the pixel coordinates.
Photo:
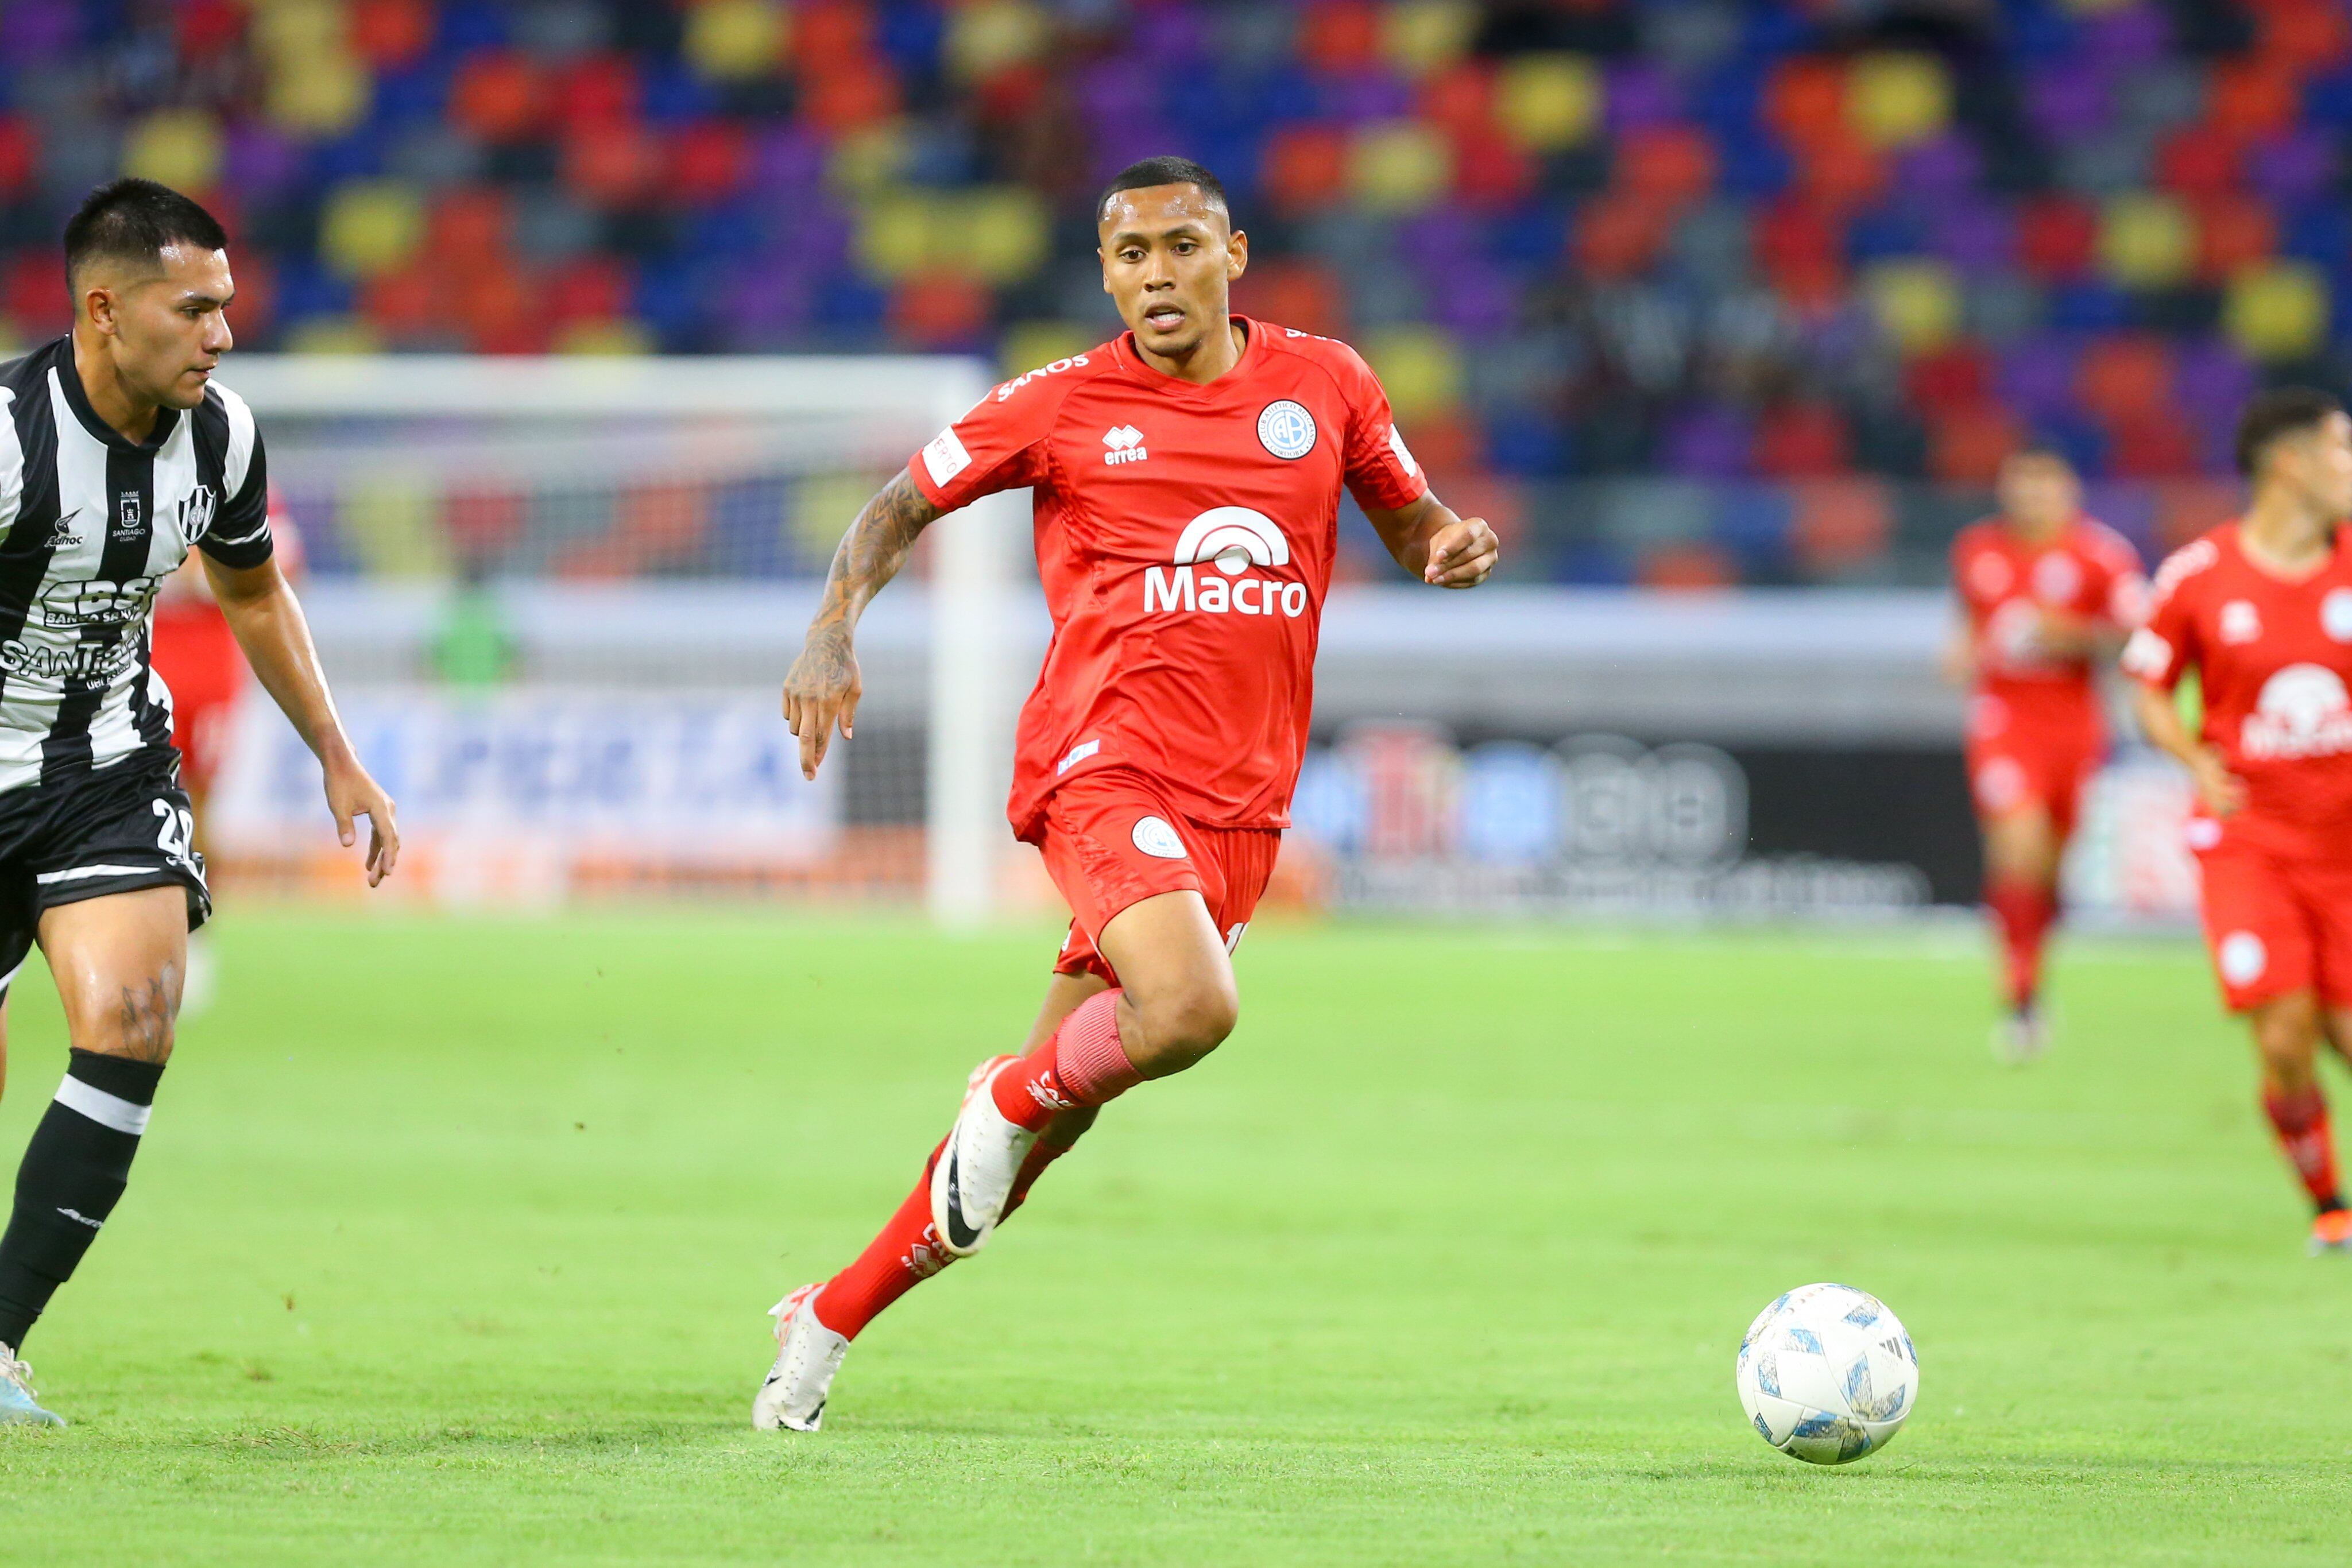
(471, 226)
(1954, 377)
(597, 90)
(1618, 236)
(20, 154)
(1339, 37)
(1804, 102)
(709, 163)
(1839, 524)
(2152, 446)
(2057, 237)
(1967, 446)
(1460, 99)
(2233, 233)
(2126, 377)
(390, 33)
(1693, 568)
(1673, 165)
(1802, 440)
(499, 96)
(1305, 168)
(2196, 162)
(941, 311)
(1301, 294)
(2252, 98)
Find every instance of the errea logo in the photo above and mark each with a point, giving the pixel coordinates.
(1231, 540)
(1125, 444)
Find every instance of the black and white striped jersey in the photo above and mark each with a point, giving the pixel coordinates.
(90, 525)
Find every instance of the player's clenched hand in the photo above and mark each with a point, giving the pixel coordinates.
(822, 690)
(1461, 554)
(351, 795)
(2222, 790)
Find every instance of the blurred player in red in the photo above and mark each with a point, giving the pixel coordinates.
(202, 666)
(1187, 478)
(2262, 610)
(2048, 596)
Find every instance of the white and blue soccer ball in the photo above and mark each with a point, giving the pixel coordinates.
(1827, 1374)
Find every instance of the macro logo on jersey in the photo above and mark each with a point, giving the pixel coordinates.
(1286, 429)
(1232, 539)
(2304, 711)
(1125, 444)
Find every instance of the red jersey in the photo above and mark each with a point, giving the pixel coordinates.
(1184, 536)
(2274, 659)
(2005, 584)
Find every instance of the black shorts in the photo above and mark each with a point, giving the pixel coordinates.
(117, 830)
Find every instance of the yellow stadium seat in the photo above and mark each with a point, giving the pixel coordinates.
(1420, 366)
(623, 336)
(2279, 311)
(180, 147)
(1398, 168)
(729, 40)
(288, 29)
(1916, 302)
(333, 335)
(1001, 235)
(1546, 102)
(1029, 344)
(395, 529)
(1420, 37)
(2147, 241)
(1894, 101)
(371, 227)
(824, 507)
(896, 233)
(985, 39)
(867, 162)
(320, 94)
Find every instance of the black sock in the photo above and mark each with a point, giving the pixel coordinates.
(74, 1170)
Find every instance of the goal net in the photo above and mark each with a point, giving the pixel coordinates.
(558, 598)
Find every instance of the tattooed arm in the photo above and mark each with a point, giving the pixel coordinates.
(822, 687)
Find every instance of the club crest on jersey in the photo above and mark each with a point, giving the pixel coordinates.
(130, 514)
(2335, 614)
(2241, 622)
(1231, 540)
(2057, 579)
(1155, 838)
(197, 511)
(1125, 444)
(1286, 429)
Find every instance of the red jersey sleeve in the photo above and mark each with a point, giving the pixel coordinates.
(2165, 644)
(998, 444)
(2123, 587)
(1381, 472)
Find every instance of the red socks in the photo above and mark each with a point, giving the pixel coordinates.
(905, 1252)
(2300, 1122)
(1083, 1065)
(2022, 911)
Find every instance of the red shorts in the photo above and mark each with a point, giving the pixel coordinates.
(2013, 764)
(1110, 840)
(2276, 925)
(197, 655)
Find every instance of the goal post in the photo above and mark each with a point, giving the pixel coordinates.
(667, 520)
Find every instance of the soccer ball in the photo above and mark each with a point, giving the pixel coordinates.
(1827, 1374)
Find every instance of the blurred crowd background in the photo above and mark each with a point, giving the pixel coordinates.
(1682, 293)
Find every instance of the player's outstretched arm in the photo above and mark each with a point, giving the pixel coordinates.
(2159, 719)
(822, 688)
(1437, 547)
(269, 622)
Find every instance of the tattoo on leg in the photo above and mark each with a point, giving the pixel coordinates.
(147, 1018)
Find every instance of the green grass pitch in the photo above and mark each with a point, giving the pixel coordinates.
(452, 1239)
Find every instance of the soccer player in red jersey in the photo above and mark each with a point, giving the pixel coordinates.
(1187, 478)
(2048, 595)
(2261, 609)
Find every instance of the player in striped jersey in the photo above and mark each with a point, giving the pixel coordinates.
(118, 456)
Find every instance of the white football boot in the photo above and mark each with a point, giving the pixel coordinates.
(18, 1407)
(807, 1355)
(2021, 1036)
(974, 1179)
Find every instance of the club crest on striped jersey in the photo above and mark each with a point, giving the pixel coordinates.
(1286, 429)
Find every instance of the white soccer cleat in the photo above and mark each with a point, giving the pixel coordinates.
(2021, 1038)
(18, 1407)
(974, 1179)
(807, 1355)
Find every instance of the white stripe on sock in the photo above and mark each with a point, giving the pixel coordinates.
(106, 1109)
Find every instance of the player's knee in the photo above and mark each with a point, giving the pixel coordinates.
(141, 1021)
(1187, 1024)
(2286, 1034)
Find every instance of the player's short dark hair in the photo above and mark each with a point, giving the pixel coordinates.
(2277, 413)
(133, 219)
(1163, 171)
